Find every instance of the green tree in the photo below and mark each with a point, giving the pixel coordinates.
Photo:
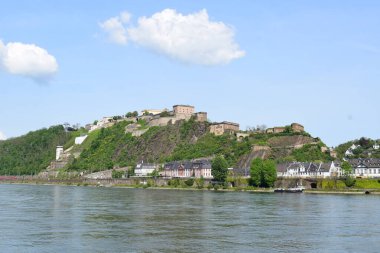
(219, 169)
(349, 181)
(117, 173)
(263, 173)
(346, 168)
(164, 114)
(200, 182)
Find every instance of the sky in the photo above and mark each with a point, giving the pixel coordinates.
(252, 62)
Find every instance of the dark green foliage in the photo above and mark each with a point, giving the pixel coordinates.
(117, 174)
(200, 182)
(365, 150)
(155, 173)
(219, 169)
(102, 149)
(186, 127)
(346, 168)
(263, 173)
(174, 182)
(131, 114)
(164, 114)
(131, 171)
(209, 145)
(189, 182)
(113, 147)
(349, 181)
(366, 143)
(341, 149)
(310, 153)
(33, 152)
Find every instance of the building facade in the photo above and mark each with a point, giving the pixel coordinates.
(224, 127)
(144, 169)
(308, 170)
(188, 169)
(201, 116)
(183, 110)
(366, 168)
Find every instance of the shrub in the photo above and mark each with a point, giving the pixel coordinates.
(349, 181)
(189, 182)
(200, 182)
(174, 182)
(117, 174)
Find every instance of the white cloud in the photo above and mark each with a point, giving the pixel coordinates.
(27, 60)
(189, 38)
(2, 136)
(114, 27)
(125, 17)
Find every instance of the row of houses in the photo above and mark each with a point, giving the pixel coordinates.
(177, 169)
(361, 168)
(309, 170)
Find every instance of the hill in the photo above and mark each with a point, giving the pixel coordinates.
(115, 146)
(359, 148)
(31, 153)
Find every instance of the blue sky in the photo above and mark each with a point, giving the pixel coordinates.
(253, 62)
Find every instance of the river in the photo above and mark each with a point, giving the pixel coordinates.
(39, 218)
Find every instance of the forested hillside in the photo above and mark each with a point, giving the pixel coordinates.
(365, 148)
(183, 140)
(31, 153)
(114, 147)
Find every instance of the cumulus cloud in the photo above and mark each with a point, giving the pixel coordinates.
(192, 38)
(2, 136)
(114, 27)
(27, 60)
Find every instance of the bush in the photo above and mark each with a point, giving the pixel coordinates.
(174, 182)
(200, 182)
(349, 181)
(117, 174)
(189, 182)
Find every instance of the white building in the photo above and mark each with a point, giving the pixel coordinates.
(58, 152)
(308, 170)
(366, 168)
(144, 169)
(80, 140)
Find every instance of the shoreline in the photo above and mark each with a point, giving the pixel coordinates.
(82, 183)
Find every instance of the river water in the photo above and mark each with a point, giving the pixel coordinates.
(86, 219)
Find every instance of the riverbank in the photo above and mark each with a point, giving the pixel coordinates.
(117, 183)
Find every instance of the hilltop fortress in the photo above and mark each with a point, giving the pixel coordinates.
(164, 117)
